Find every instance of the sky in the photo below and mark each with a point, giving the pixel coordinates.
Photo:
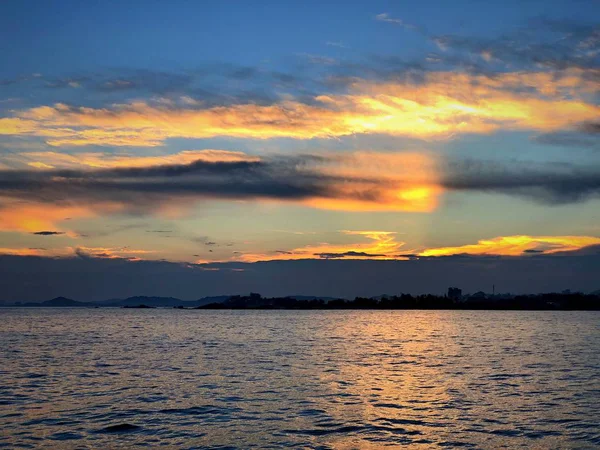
(226, 137)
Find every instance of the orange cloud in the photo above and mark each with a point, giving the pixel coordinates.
(517, 245)
(25, 252)
(66, 252)
(441, 105)
(112, 252)
(381, 245)
(101, 160)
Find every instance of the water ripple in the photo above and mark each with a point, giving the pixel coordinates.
(107, 378)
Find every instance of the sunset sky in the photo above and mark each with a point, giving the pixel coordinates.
(237, 132)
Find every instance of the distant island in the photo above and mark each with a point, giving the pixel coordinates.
(453, 300)
(130, 302)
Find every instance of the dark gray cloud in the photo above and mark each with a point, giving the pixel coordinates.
(48, 233)
(16, 80)
(140, 80)
(145, 80)
(67, 82)
(583, 139)
(291, 178)
(590, 127)
(540, 43)
(92, 278)
(507, 50)
(548, 183)
(586, 33)
(212, 85)
(146, 188)
(553, 44)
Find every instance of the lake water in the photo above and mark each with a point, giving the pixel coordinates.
(312, 379)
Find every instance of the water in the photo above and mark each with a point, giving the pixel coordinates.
(313, 379)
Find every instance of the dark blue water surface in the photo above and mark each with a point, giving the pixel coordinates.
(114, 378)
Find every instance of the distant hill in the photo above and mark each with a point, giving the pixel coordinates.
(58, 301)
(164, 302)
(168, 302)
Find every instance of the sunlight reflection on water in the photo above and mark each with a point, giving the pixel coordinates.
(328, 379)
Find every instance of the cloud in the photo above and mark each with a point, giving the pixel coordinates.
(379, 245)
(127, 253)
(140, 80)
(569, 139)
(542, 43)
(208, 83)
(28, 251)
(111, 253)
(62, 83)
(590, 127)
(439, 105)
(106, 160)
(385, 17)
(336, 44)
(48, 233)
(348, 254)
(319, 59)
(382, 245)
(517, 245)
(537, 45)
(155, 82)
(395, 182)
(39, 199)
(370, 245)
(546, 183)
